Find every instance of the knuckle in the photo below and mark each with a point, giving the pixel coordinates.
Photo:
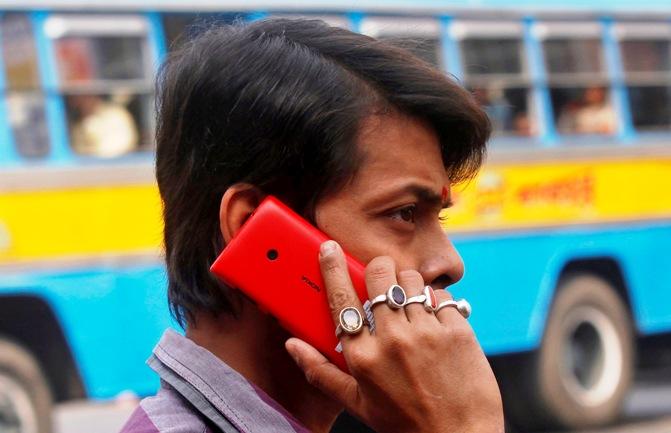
(460, 335)
(397, 342)
(330, 264)
(338, 298)
(380, 268)
(313, 376)
(442, 295)
(428, 335)
(409, 275)
(361, 360)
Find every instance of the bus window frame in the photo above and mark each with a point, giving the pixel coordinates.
(562, 30)
(201, 16)
(598, 29)
(418, 26)
(534, 30)
(636, 30)
(56, 91)
(9, 154)
(136, 26)
(462, 29)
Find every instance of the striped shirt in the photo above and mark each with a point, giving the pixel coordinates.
(199, 393)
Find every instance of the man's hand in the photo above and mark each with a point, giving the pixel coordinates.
(418, 372)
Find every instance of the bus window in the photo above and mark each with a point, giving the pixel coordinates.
(180, 27)
(25, 100)
(421, 36)
(495, 70)
(577, 78)
(105, 76)
(646, 59)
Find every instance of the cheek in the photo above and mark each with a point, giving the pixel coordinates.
(356, 235)
(364, 237)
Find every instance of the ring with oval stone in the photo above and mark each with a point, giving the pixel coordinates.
(418, 299)
(427, 299)
(462, 306)
(350, 322)
(395, 298)
(431, 303)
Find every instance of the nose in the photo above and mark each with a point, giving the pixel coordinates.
(441, 264)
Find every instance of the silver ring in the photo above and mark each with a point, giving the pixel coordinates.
(431, 303)
(419, 299)
(378, 300)
(462, 306)
(350, 322)
(395, 297)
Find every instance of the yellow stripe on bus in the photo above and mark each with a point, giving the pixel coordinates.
(84, 221)
(127, 219)
(541, 194)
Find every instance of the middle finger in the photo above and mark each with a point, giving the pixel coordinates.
(380, 277)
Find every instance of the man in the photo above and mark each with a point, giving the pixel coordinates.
(364, 140)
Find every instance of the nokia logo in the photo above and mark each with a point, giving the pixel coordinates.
(311, 283)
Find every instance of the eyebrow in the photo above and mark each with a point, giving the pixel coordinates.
(428, 196)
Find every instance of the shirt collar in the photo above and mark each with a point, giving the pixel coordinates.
(245, 405)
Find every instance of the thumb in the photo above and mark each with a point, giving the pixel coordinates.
(322, 374)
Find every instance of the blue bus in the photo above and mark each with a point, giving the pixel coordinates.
(563, 232)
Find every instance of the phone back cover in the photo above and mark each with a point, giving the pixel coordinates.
(274, 260)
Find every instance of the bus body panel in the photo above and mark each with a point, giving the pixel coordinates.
(111, 318)
(529, 266)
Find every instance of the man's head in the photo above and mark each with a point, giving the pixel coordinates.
(317, 116)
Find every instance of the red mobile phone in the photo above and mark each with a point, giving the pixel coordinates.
(274, 260)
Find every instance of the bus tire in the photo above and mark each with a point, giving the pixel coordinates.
(25, 396)
(584, 367)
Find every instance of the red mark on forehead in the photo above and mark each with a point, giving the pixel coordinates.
(444, 193)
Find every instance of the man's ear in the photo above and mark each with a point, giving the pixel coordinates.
(237, 204)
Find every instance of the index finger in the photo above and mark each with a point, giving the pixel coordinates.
(339, 289)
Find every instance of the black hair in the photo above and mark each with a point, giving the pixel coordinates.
(277, 103)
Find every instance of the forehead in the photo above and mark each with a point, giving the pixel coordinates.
(396, 147)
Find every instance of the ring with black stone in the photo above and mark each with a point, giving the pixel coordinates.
(395, 298)
(350, 322)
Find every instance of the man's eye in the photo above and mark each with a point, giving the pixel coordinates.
(406, 214)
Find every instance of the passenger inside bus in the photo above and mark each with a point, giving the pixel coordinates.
(496, 106)
(101, 127)
(591, 113)
(507, 109)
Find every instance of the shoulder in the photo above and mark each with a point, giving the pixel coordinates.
(166, 412)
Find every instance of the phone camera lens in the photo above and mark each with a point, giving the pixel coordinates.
(272, 254)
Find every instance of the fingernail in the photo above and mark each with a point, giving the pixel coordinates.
(328, 248)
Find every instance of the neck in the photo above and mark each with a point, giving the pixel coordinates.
(253, 345)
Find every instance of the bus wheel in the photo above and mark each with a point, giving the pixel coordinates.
(585, 364)
(25, 397)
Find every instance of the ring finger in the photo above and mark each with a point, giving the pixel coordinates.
(413, 283)
(449, 310)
